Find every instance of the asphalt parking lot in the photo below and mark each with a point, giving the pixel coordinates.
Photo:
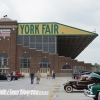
(54, 86)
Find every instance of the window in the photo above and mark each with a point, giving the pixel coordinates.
(66, 67)
(26, 40)
(44, 43)
(44, 63)
(25, 61)
(20, 39)
(3, 60)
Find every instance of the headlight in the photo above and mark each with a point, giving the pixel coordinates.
(88, 86)
(91, 90)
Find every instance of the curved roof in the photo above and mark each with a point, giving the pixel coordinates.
(44, 60)
(25, 55)
(3, 55)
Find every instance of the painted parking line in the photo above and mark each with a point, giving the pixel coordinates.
(52, 91)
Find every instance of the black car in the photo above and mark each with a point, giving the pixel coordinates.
(85, 72)
(80, 84)
(7, 77)
(14, 77)
(97, 73)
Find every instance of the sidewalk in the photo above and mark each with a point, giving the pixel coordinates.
(44, 85)
(54, 86)
(56, 90)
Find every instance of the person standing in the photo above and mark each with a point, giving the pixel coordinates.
(52, 73)
(32, 77)
(48, 74)
(38, 75)
(14, 73)
(11, 73)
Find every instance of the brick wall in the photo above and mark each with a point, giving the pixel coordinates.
(8, 43)
(9, 46)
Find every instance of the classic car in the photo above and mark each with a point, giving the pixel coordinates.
(86, 71)
(5, 77)
(18, 74)
(98, 95)
(86, 74)
(8, 77)
(80, 84)
(93, 89)
(79, 74)
(14, 77)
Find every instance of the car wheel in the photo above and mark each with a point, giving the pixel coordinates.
(94, 98)
(8, 78)
(16, 78)
(98, 96)
(68, 89)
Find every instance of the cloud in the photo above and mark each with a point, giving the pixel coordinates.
(4, 9)
(82, 14)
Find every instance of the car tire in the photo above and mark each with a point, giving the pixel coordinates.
(9, 79)
(16, 78)
(68, 89)
(94, 98)
(97, 96)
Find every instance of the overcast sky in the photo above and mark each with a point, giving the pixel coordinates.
(83, 14)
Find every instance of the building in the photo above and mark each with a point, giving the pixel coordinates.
(27, 47)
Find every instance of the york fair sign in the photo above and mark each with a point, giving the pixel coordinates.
(5, 32)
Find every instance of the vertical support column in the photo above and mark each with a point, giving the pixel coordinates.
(55, 44)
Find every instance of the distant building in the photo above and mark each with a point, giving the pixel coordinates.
(47, 46)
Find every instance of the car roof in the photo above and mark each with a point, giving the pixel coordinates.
(85, 71)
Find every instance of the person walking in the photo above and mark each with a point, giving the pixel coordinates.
(38, 75)
(53, 75)
(32, 77)
(48, 74)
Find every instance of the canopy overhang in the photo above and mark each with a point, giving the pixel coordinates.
(72, 46)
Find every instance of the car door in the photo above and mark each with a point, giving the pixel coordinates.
(1, 77)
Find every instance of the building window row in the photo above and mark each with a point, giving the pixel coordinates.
(44, 43)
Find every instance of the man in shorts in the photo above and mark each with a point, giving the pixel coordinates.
(48, 74)
(38, 75)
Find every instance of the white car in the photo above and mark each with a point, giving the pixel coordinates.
(85, 75)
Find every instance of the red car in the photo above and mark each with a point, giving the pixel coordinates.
(18, 74)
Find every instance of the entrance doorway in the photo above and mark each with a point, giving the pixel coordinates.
(4, 63)
(44, 66)
(25, 64)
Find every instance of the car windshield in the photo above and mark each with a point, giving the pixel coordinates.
(94, 75)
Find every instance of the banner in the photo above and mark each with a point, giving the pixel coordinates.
(5, 32)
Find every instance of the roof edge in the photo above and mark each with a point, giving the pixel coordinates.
(79, 29)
